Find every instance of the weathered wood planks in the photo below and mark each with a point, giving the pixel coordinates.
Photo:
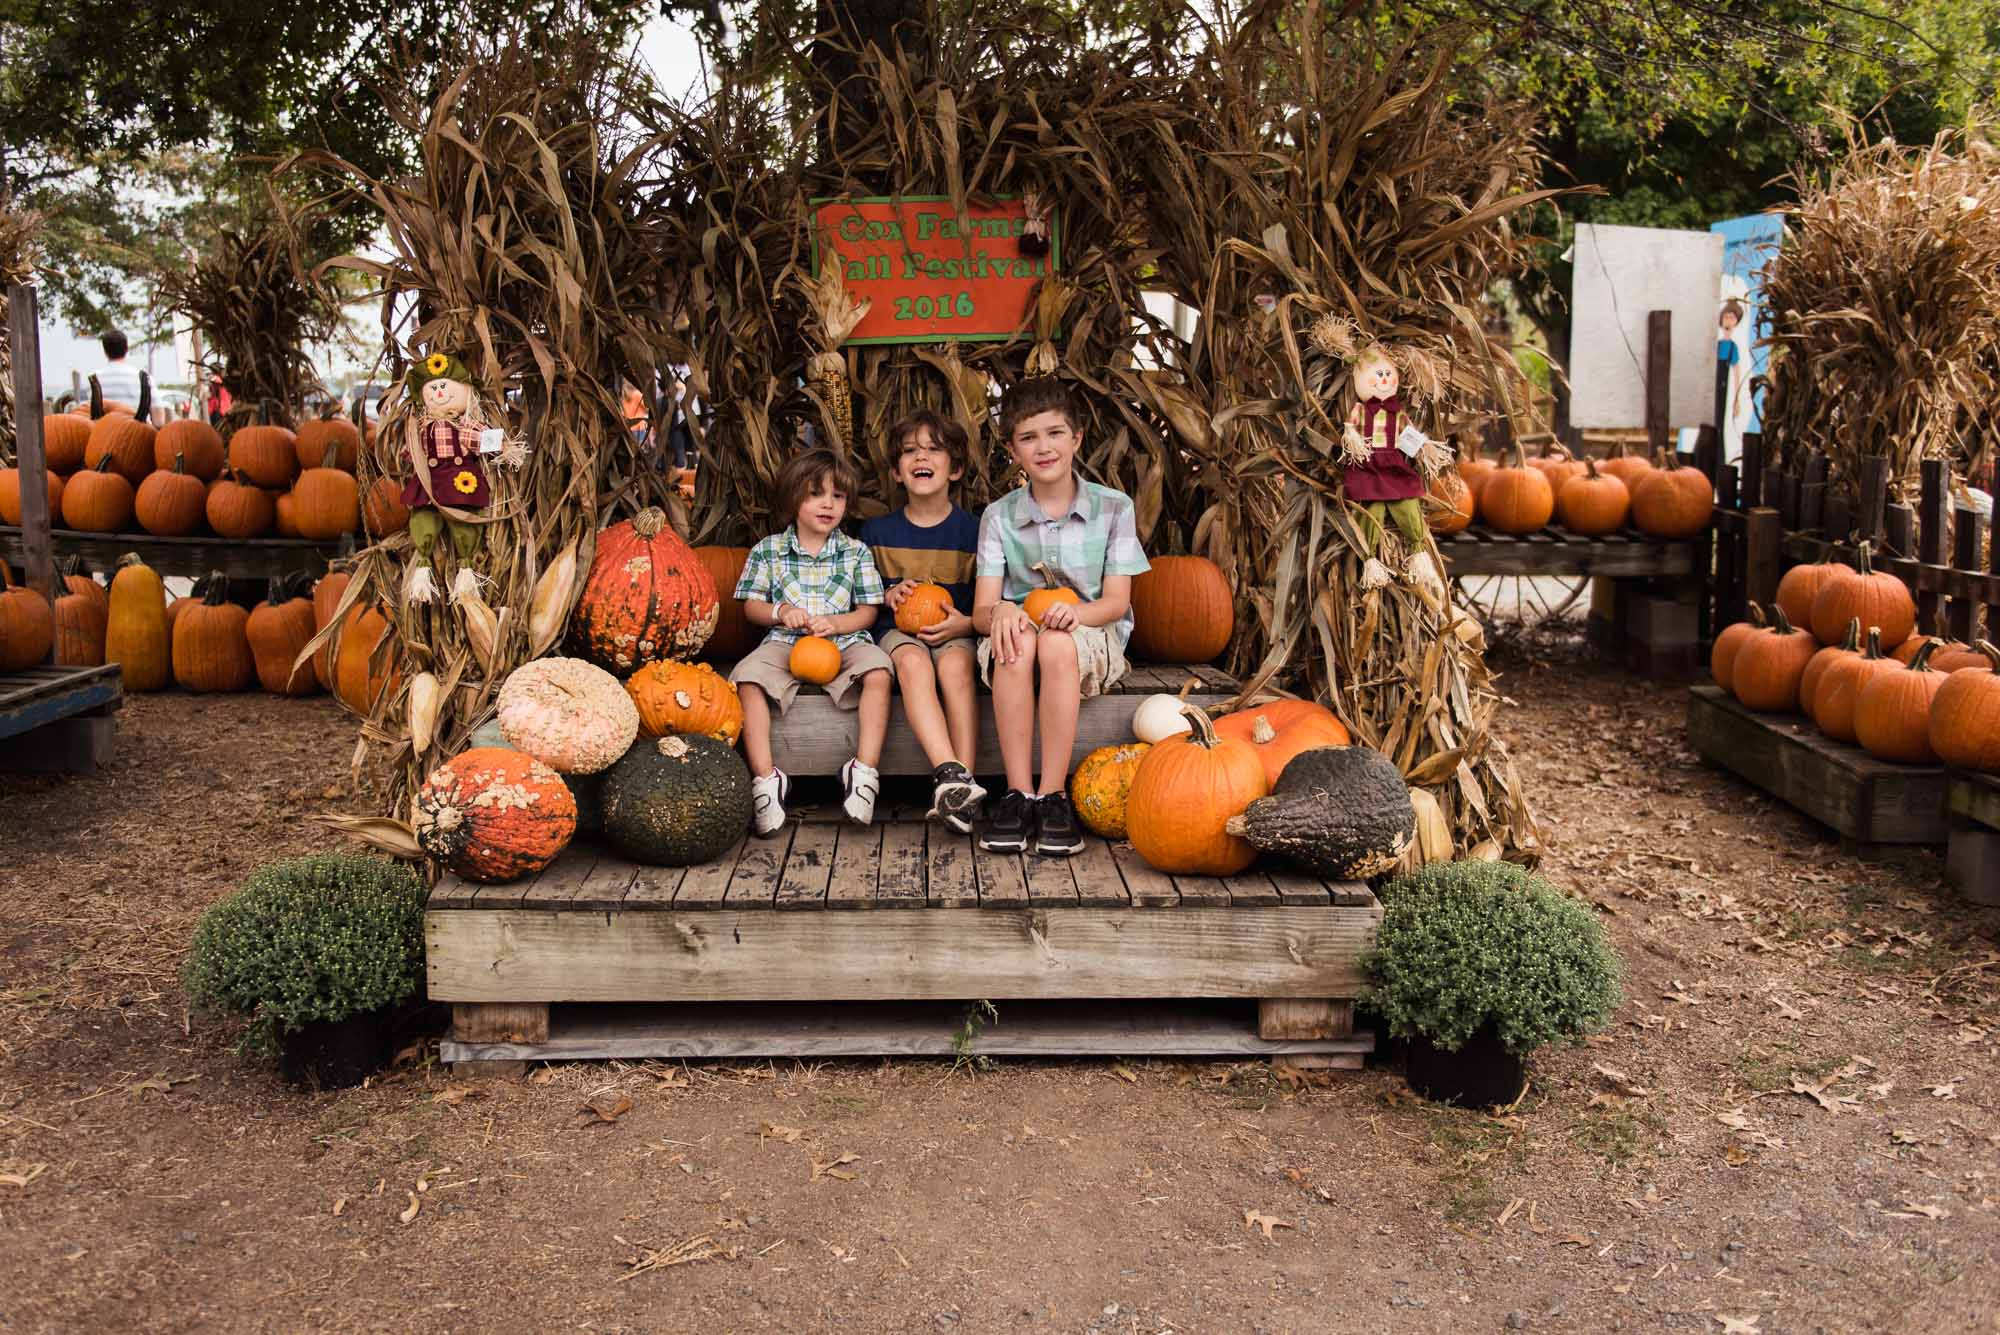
(1625, 555)
(246, 558)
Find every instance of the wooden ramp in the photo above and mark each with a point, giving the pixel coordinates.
(58, 718)
(902, 911)
(1865, 800)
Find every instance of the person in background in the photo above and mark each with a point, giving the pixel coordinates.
(685, 405)
(118, 378)
(637, 420)
(218, 400)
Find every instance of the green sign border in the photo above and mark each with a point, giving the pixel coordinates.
(1054, 257)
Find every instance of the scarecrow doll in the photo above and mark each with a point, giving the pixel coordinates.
(447, 437)
(1386, 462)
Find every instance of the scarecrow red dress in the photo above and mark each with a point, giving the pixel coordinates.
(457, 477)
(1387, 474)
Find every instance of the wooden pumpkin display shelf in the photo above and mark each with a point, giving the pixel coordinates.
(600, 957)
(1626, 554)
(239, 558)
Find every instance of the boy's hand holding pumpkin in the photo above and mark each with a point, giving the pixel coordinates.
(955, 625)
(792, 618)
(896, 593)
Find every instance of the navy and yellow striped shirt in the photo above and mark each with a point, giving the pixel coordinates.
(943, 554)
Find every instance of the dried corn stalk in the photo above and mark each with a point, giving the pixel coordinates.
(20, 252)
(835, 315)
(1884, 309)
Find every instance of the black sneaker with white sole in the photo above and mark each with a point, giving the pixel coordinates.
(1013, 823)
(1056, 832)
(955, 796)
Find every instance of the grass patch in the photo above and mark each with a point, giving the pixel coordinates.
(1617, 1135)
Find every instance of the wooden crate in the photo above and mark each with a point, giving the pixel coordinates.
(1865, 800)
(901, 911)
(818, 738)
(1627, 554)
(1972, 857)
(58, 718)
(245, 558)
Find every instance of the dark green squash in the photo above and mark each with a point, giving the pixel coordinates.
(676, 801)
(1342, 812)
(585, 788)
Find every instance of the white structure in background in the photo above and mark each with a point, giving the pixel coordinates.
(1621, 274)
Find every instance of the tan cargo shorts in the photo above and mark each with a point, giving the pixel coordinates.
(1100, 660)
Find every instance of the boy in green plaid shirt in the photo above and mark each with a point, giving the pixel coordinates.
(1055, 529)
(812, 579)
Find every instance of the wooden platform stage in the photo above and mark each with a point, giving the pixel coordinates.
(1865, 800)
(58, 718)
(817, 738)
(1972, 854)
(247, 558)
(1626, 554)
(902, 911)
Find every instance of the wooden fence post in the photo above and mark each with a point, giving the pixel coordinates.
(1764, 541)
(1750, 468)
(1874, 498)
(24, 344)
(1933, 518)
(1967, 528)
(1728, 559)
(1659, 371)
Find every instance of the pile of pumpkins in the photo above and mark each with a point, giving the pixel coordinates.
(117, 473)
(1589, 497)
(1840, 645)
(1201, 796)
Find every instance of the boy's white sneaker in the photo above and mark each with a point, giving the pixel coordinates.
(861, 783)
(767, 803)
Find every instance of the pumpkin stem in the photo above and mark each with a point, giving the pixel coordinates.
(129, 559)
(96, 399)
(145, 398)
(1780, 623)
(1757, 615)
(104, 464)
(180, 462)
(1203, 734)
(1921, 660)
(332, 455)
(1261, 731)
(1874, 642)
(1861, 561)
(649, 521)
(217, 592)
(1991, 651)
(275, 594)
(1853, 640)
(1187, 687)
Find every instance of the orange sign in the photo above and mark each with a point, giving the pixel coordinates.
(928, 276)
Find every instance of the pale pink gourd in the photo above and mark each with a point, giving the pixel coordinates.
(571, 715)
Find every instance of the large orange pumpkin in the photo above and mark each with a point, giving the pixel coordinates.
(1456, 505)
(493, 814)
(10, 495)
(1840, 687)
(195, 442)
(734, 635)
(382, 510)
(326, 597)
(65, 436)
(266, 456)
(171, 504)
(1185, 792)
(97, 500)
(925, 606)
(1965, 716)
(364, 663)
(1825, 658)
(1892, 717)
(688, 698)
(278, 630)
(646, 598)
(236, 509)
(1801, 585)
(1593, 503)
(1673, 502)
(815, 659)
(1516, 499)
(1101, 786)
(82, 614)
(328, 442)
(1281, 729)
(1877, 598)
(1627, 468)
(1768, 667)
(27, 624)
(1729, 643)
(1182, 611)
(326, 501)
(126, 441)
(211, 649)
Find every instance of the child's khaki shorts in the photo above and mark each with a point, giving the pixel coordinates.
(893, 640)
(769, 668)
(1100, 660)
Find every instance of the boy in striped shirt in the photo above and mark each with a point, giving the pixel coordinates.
(1056, 528)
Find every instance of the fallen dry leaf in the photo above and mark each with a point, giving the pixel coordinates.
(1125, 1073)
(1735, 1156)
(339, 1206)
(772, 1131)
(24, 1176)
(1912, 1210)
(834, 1168)
(602, 1112)
(1739, 1325)
(1947, 1090)
(409, 1216)
(453, 1095)
(1265, 1222)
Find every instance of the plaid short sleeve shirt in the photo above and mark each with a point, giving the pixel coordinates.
(839, 579)
(1097, 536)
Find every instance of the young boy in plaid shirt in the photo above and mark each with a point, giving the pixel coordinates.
(1086, 537)
(812, 579)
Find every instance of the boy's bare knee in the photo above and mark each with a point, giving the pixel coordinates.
(749, 692)
(913, 666)
(1057, 650)
(875, 681)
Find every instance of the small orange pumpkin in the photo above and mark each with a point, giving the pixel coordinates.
(125, 438)
(65, 436)
(364, 660)
(1673, 502)
(278, 630)
(1840, 687)
(238, 510)
(82, 615)
(382, 510)
(266, 456)
(97, 500)
(1101, 787)
(1768, 667)
(1824, 659)
(27, 624)
(1185, 792)
(10, 495)
(1182, 611)
(1280, 729)
(1801, 585)
(328, 442)
(1892, 717)
(927, 605)
(1516, 499)
(171, 504)
(493, 814)
(815, 659)
(686, 698)
(1878, 599)
(1729, 643)
(1627, 468)
(1456, 508)
(1593, 503)
(211, 648)
(194, 441)
(1038, 603)
(1965, 716)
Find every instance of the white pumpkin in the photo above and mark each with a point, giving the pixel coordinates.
(571, 715)
(1159, 717)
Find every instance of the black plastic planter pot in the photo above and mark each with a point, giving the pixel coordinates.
(337, 1054)
(1482, 1074)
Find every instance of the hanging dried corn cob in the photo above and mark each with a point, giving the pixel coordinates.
(835, 315)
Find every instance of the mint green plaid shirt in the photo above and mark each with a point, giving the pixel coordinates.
(841, 578)
(1097, 536)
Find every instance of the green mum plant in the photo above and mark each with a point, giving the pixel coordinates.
(315, 938)
(1467, 944)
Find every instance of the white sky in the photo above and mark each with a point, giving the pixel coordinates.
(666, 47)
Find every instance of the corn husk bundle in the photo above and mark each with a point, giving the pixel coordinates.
(525, 248)
(1884, 308)
(249, 295)
(20, 252)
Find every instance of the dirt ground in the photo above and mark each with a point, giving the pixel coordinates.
(1791, 1125)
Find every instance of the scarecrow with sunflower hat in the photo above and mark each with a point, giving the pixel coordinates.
(448, 435)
